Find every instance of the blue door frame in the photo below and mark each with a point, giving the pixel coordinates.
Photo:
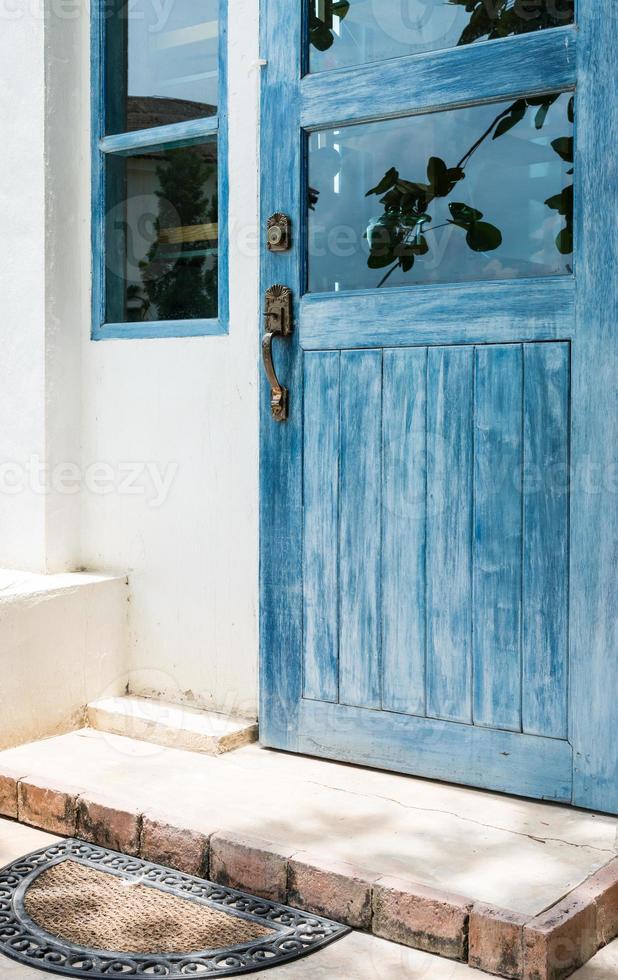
(578, 315)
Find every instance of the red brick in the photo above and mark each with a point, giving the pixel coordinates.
(495, 940)
(560, 940)
(422, 917)
(331, 888)
(100, 821)
(251, 865)
(602, 889)
(176, 847)
(48, 807)
(8, 794)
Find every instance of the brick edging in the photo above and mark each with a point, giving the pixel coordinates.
(549, 946)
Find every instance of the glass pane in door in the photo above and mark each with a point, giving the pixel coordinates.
(357, 32)
(479, 193)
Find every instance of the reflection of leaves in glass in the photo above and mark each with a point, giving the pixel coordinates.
(489, 19)
(180, 282)
(397, 237)
(321, 33)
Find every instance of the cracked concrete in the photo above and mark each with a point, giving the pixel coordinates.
(496, 849)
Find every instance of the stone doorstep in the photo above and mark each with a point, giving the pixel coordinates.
(549, 946)
(175, 726)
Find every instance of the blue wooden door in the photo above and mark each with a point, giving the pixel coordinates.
(439, 513)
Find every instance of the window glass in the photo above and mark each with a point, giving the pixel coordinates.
(356, 32)
(162, 235)
(162, 63)
(484, 192)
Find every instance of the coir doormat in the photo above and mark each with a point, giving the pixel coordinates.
(79, 910)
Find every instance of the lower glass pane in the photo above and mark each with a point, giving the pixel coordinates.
(162, 235)
(484, 192)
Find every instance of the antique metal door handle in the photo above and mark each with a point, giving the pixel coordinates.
(278, 314)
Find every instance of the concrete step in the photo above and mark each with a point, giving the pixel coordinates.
(171, 725)
(496, 882)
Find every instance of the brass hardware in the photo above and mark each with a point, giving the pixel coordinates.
(278, 233)
(278, 314)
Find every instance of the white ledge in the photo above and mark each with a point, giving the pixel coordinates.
(19, 584)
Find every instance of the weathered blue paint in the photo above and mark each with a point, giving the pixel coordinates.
(594, 511)
(359, 528)
(163, 137)
(443, 649)
(541, 62)
(449, 532)
(516, 310)
(321, 526)
(281, 447)
(502, 761)
(404, 512)
(545, 576)
(497, 495)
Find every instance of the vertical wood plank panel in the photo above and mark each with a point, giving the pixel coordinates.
(359, 532)
(546, 537)
(449, 515)
(497, 537)
(403, 530)
(320, 518)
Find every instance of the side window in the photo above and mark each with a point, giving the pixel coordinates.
(159, 168)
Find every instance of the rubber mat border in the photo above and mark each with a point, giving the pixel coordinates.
(295, 933)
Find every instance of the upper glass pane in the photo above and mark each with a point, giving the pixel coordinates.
(162, 235)
(162, 63)
(484, 192)
(357, 32)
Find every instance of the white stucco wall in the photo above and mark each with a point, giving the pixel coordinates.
(181, 413)
(22, 293)
(186, 411)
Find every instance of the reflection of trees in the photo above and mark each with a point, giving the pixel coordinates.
(489, 19)
(402, 233)
(178, 279)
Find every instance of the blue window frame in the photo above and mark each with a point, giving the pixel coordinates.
(155, 273)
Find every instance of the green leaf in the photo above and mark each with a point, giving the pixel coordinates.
(436, 170)
(516, 115)
(555, 202)
(463, 214)
(563, 202)
(564, 241)
(320, 36)
(341, 8)
(455, 173)
(411, 187)
(564, 148)
(541, 116)
(571, 109)
(420, 246)
(380, 261)
(406, 262)
(389, 179)
(483, 237)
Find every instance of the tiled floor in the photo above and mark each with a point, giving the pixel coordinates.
(498, 849)
(356, 957)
